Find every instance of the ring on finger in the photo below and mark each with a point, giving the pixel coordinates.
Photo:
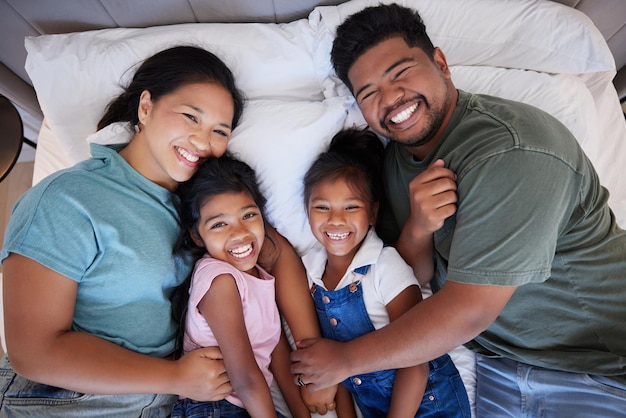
(300, 382)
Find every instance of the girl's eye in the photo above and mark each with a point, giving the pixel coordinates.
(320, 207)
(190, 117)
(352, 207)
(249, 215)
(218, 225)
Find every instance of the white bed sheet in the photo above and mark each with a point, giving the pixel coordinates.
(534, 51)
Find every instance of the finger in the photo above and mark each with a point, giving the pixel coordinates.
(437, 163)
(306, 343)
(211, 352)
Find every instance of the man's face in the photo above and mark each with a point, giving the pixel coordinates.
(403, 94)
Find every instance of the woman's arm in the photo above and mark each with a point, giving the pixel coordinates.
(222, 309)
(410, 383)
(38, 309)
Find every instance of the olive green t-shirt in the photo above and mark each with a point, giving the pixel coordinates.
(531, 213)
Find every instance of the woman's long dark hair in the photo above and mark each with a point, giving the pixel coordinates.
(167, 71)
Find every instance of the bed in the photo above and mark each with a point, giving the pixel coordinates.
(539, 52)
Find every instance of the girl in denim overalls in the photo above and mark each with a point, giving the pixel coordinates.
(359, 285)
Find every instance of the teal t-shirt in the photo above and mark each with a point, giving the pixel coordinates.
(531, 213)
(110, 229)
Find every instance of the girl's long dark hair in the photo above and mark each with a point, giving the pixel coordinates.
(216, 176)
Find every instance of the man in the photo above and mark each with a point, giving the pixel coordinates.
(530, 272)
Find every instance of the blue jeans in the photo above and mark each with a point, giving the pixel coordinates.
(506, 388)
(20, 397)
(187, 408)
(343, 317)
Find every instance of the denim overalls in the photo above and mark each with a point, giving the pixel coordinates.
(343, 317)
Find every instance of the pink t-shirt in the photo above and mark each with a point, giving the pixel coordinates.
(259, 310)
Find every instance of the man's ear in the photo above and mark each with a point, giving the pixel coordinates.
(440, 60)
(196, 238)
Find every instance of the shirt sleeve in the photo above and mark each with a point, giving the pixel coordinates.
(507, 225)
(50, 225)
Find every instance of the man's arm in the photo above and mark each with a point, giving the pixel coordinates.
(433, 199)
(452, 316)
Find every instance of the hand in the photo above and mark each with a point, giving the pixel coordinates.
(432, 197)
(202, 375)
(320, 363)
(320, 401)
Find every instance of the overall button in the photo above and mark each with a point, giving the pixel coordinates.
(326, 299)
(357, 381)
(333, 322)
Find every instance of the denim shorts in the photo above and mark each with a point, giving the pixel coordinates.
(20, 397)
(187, 408)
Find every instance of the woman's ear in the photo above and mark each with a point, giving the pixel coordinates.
(145, 106)
(196, 238)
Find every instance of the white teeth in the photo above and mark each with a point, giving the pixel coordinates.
(338, 236)
(187, 155)
(241, 252)
(404, 115)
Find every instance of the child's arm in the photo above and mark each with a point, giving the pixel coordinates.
(295, 304)
(292, 290)
(280, 367)
(222, 309)
(345, 403)
(410, 383)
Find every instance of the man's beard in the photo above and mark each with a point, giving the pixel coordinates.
(434, 120)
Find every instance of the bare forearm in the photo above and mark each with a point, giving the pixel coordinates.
(408, 391)
(84, 363)
(416, 248)
(292, 294)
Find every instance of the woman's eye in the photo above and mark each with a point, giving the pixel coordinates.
(191, 117)
(222, 133)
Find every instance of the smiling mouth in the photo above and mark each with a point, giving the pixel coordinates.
(241, 252)
(192, 158)
(404, 115)
(337, 237)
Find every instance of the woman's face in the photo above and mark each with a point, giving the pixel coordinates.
(180, 131)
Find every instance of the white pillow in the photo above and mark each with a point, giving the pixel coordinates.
(77, 74)
(538, 35)
(280, 140)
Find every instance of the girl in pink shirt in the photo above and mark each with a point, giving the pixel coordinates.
(231, 298)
